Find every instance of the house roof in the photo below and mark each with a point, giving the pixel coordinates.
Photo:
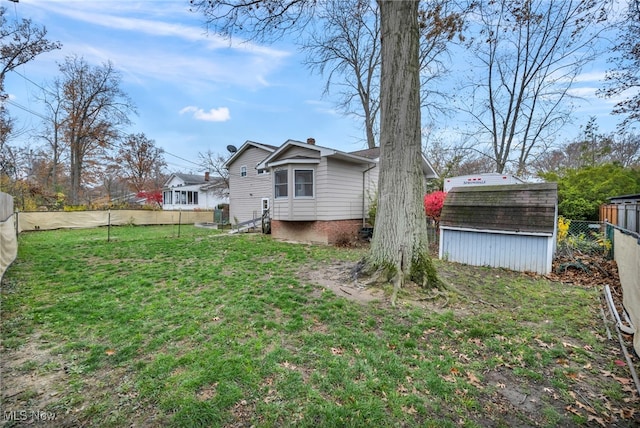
(196, 179)
(323, 151)
(374, 153)
(188, 179)
(519, 208)
(248, 144)
(213, 183)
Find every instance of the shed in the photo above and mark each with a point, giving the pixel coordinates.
(509, 226)
(623, 211)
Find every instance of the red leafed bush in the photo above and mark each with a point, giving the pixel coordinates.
(152, 197)
(433, 203)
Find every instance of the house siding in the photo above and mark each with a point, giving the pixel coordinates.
(246, 193)
(340, 191)
(295, 151)
(292, 208)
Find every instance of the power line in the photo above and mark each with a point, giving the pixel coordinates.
(28, 110)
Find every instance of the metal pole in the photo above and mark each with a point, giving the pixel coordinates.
(109, 226)
(179, 221)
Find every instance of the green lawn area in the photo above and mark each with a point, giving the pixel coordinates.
(214, 330)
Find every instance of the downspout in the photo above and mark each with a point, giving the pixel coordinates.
(364, 215)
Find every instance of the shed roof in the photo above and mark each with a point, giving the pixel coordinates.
(625, 199)
(520, 208)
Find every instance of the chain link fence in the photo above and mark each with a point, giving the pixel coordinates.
(583, 237)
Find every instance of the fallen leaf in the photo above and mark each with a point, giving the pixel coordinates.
(336, 351)
(619, 363)
(542, 344)
(501, 385)
(110, 351)
(622, 380)
(600, 421)
(454, 371)
(410, 411)
(628, 413)
(473, 380)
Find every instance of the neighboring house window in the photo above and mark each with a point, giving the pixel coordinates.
(167, 198)
(243, 171)
(303, 181)
(186, 198)
(280, 179)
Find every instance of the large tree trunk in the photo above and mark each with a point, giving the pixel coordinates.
(400, 240)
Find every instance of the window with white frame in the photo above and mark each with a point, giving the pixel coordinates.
(186, 197)
(303, 183)
(243, 171)
(280, 183)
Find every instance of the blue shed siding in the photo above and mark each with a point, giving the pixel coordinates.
(519, 252)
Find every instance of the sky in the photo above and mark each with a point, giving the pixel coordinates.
(195, 91)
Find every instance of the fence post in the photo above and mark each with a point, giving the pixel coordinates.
(179, 221)
(17, 223)
(109, 226)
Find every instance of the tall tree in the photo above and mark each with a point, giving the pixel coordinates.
(20, 42)
(529, 53)
(215, 164)
(400, 238)
(140, 160)
(624, 78)
(590, 149)
(52, 98)
(94, 107)
(344, 45)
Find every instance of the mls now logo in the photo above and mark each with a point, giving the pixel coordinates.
(28, 415)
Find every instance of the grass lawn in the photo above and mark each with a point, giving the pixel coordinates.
(213, 330)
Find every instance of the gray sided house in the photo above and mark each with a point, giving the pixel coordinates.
(320, 195)
(193, 192)
(250, 192)
(312, 193)
(507, 226)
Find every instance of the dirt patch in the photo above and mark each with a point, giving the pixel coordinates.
(338, 278)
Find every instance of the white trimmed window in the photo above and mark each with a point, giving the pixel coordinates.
(303, 183)
(281, 184)
(243, 171)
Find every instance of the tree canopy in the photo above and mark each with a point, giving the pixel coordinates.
(581, 191)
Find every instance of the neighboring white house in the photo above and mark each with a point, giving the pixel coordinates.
(190, 192)
(313, 193)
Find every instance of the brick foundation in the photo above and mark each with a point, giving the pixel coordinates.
(320, 232)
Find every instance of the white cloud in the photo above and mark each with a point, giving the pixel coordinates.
(220, 114)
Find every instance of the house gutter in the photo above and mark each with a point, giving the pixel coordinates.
(364, 215)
